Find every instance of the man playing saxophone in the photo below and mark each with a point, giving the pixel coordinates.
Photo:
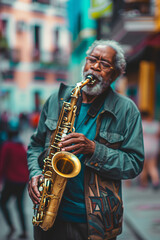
(108, 142)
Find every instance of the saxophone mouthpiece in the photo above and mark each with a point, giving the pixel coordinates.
(91, 79)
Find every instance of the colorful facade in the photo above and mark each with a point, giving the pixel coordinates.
(37, 52)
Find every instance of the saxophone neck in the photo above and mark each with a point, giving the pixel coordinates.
(83, 83)
(89, 79)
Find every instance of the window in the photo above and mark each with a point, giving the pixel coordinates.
(36, 42)
(37, 101)
(3, 27)
(8, 75)
(39, 76)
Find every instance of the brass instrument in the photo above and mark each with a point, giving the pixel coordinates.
(58, 165)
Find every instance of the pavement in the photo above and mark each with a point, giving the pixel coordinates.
(142, 212)
(13, 211)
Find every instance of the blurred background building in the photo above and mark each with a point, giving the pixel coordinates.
(34, 52)
(43, 43)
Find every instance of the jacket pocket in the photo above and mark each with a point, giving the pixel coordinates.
(112, 140)
(51, 126)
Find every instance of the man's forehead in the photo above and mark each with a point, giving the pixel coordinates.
(104, 48)
(104, 51)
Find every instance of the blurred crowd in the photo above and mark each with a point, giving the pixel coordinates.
(151, 136)
(16, 122)
(14, 173)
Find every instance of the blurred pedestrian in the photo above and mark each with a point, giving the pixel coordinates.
(3, 127)
(14, 177)
(23, 121)
(4, 120)
(151, 133)
(34, 119)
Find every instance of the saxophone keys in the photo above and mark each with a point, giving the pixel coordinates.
(38, 216)
(65, 119)
(65, 130)
(40, 189)
(63, 135)
(45, 203)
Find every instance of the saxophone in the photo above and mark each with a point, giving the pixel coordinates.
(59, 165)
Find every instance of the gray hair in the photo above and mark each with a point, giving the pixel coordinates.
(120, 62)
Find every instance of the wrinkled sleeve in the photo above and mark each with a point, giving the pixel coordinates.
(36, 145)
(125, 162)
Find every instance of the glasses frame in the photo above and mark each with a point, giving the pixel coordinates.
(89, 57)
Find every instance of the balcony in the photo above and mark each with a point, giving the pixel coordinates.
(8, 75)
(58, 60)
(36, 55)
(14, 55)
(49, 60)
(52, 7)
(7, 2)
(3, 45)
(132, 22)
(54, 3)
(42, 1)
(39, 75)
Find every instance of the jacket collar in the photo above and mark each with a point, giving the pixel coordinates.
(64, 94)
(110, 101)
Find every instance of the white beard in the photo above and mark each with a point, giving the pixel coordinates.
(99, 87)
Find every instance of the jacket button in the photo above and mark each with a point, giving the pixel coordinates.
(96, 164)
(91, 163)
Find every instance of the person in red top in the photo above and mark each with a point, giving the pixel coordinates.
(14, 176)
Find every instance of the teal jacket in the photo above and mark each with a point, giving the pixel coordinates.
(119, 154)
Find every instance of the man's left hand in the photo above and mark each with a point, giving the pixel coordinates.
(77, 143)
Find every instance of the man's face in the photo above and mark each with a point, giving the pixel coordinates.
(100, 63)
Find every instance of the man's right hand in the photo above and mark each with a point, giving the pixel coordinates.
(33, 189)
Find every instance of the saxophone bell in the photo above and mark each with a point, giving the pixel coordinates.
(66, 164)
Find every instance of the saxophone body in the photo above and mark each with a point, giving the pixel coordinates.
(58, 165)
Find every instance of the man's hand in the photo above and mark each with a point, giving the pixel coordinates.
(33, 189)
(77, 143)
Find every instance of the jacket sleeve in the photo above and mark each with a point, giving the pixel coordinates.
(37, 143)
(125, 162)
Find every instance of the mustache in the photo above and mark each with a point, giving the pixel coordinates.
(97, 76)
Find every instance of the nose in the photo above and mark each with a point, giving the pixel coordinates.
(96, 66)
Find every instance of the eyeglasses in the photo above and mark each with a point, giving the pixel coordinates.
(104, 65)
